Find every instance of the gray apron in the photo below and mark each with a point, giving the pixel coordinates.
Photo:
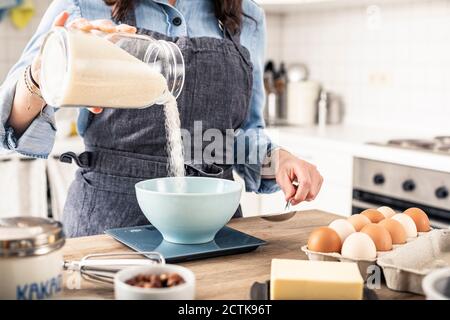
(124, 147)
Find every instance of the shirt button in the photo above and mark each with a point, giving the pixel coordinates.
(177, 21)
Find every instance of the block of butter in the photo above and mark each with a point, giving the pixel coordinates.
(315, 280)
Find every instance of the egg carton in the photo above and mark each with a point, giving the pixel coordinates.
(363, 265)
(405, 268)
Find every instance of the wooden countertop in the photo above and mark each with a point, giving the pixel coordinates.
(228, 277)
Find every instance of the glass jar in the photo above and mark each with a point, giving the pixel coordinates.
(31, 260)
(118, 70)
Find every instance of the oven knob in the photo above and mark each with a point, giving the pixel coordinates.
(409, 185)
(378, 179)
(441, 193)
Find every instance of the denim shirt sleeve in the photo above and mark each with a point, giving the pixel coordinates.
(259, 144)
(38, 139)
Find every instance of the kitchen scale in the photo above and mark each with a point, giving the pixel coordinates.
(147, 238)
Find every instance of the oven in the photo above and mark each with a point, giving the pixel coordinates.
(378, 183)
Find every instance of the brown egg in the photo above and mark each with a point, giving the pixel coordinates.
(324, 239)
(373, 215)
(396, 230)
(420, 219)
(358, 221)
(380, 236)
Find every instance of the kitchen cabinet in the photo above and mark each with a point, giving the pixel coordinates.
(23, 187)
(25, 182)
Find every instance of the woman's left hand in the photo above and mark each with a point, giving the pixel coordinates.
(292, 169)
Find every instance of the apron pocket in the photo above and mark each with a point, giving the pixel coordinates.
(110, 210)
(109, 183)
(79, 204)
(98, 202)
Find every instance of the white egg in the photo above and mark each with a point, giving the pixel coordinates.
(359, 246)
(343, 228)
(387, 212)
(407, 223)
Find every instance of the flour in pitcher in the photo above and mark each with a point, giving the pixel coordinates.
(96, 72)
(173, 136)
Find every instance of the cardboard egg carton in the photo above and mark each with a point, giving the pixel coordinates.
(363, 265)
(335, 256)
(405, 267)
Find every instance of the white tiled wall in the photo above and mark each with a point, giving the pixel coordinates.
(13, 41)
(392, 68)
(274, 36)
(391, 63)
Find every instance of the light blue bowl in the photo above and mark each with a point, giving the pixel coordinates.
(192, 216)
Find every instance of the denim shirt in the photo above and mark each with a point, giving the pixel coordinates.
(198, 20)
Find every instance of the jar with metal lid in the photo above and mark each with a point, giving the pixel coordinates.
(31, 261)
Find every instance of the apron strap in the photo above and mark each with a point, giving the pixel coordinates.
(140, 166)
(236, 39)
(83, 160)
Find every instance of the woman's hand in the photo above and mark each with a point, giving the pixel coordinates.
(291, 169)
(60, 21)
(106, 26)
(27, 106)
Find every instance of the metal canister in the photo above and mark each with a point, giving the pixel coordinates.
(31, 261)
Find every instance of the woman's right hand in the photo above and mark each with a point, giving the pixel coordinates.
(106, 26)
(60, 21)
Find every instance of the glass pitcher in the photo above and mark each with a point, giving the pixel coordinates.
(118, 70)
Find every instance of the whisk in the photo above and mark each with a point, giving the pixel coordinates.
(101, 268)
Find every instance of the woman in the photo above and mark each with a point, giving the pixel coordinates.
(223, 45)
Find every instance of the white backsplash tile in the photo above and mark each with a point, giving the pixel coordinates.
(13, 41)
(392, 70)
(274, 37)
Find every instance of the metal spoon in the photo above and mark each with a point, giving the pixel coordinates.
(286, 215)
(288, 205)
(288, 202)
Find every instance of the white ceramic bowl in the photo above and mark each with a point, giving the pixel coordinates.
(185, 291)
(192, 216)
